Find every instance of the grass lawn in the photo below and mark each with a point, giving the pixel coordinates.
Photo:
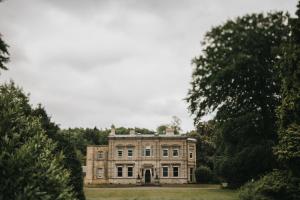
(160, 193)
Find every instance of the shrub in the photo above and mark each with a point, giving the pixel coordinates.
(278, 185)
(204, 174)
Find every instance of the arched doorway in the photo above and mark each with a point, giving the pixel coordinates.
(147, 176)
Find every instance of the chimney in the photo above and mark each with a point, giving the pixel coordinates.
(169, 132)
(131, 132)
(113, 131)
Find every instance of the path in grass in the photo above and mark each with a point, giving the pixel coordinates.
(159, 193)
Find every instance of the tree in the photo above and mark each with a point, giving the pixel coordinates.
(176, 124)
(288, 149)
(29, 166)
(4, 55)
(236, 77)
(70, 160)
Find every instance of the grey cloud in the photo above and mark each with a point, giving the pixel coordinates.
(124, 62)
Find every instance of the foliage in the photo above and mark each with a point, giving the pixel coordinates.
(278, 185)
(288, 149)
(204, 174)
(29, 166)
(236, 78)
(4, 55)
(70, 160)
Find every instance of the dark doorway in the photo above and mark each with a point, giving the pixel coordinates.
(147, 176)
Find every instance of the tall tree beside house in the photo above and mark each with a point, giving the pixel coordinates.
(70, 160)
(235, 76)
(288, 149)
(284, 183)
(30, 167)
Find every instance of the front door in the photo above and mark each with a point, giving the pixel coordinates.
(147, 176)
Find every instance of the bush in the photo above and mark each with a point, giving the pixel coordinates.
(278, 185)
(204, 174)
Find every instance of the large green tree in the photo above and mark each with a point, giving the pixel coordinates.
(235, 76)
(30, 167)
(284, 183)
(70, 160)
(288, 149)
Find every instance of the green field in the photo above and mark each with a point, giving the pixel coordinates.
(160, 193)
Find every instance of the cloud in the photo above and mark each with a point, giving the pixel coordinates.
(97, 63)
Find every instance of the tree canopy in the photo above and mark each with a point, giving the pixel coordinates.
(236, 76)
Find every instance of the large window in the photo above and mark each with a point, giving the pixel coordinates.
(175, 152)
(99, 173)
(165, 171)
(120, 171)
(175, 171)
(100, 155)
(120, 153)
(165, 153)
(130, 171)
(148, 151)
(129, 152)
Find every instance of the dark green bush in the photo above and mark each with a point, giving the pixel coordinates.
(204, 175)
(278, 185)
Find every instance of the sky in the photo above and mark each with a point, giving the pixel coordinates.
(123, 62)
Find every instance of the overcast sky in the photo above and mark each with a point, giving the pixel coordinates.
(123, 62)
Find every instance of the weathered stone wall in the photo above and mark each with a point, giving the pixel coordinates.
(143, 165)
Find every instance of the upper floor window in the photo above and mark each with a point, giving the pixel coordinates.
(100, 155)
(165, 153)
(191, 155)
(120, 171)
(148, 151)
(130, 171)
(120, 153)
(175, 171)
(165, 171)
(175, 152)
(129, 152)
(99, 173)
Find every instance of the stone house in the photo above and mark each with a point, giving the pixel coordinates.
(142, 159)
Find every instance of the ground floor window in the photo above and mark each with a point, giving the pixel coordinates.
(99, 173)
(120, 171)
(165, 171)
(175, 171)
(130, 171)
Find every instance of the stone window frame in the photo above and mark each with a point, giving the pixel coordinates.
(119, 173)
(191, 155)
(148, 149)
(100, 155)
(175, 149)
(130, 149)
(99, 173)
(177, 167)
(129, 171)
(165, 149)
(163, 171)
(118, 153)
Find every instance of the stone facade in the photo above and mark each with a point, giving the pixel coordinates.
(142, 159)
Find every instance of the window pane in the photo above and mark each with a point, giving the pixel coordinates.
(129, 152)
(120, 171)
(165, 152)
(165, 171)
(99, 173)
(130, 171)
(148, 152)
(175, 152)
(120, 153)
(175, 171)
